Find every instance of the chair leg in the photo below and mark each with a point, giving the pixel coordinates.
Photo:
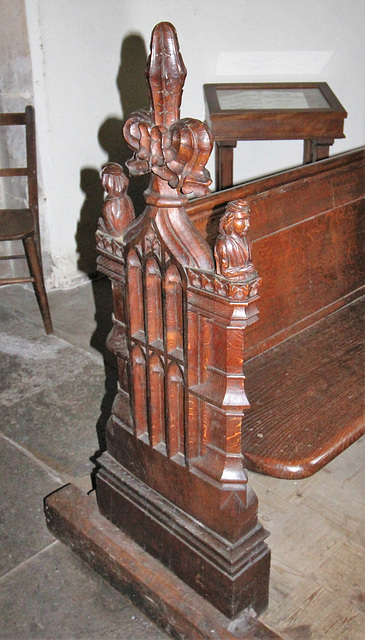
(36, 272)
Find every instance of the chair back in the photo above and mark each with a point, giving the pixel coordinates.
(27, 120)
(22, 223)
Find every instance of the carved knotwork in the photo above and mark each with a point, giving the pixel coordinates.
(232, 251)
(173, 149)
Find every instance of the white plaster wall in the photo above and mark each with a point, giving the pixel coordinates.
(76, 55)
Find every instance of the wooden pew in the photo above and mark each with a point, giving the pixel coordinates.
(304, 358)
(186, 281)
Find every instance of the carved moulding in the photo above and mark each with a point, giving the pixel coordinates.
(173, 476)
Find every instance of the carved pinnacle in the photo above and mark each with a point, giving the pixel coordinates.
(166, 75)
(174, 150)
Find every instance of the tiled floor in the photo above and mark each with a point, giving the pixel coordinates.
(55, 396)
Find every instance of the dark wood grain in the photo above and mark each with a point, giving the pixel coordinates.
(307, 227)
(173, 476)
(313, 188)
(207, 388)
(307, 397)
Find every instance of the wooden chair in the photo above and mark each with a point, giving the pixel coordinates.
(23, 224)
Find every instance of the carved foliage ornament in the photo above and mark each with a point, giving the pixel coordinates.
(173, 149)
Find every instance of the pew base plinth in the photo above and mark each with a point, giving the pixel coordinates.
(74, 518)
(231, 575)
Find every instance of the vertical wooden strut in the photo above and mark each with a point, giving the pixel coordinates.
(173, 476)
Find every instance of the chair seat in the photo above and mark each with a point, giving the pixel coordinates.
(16, 224)
(23, 224)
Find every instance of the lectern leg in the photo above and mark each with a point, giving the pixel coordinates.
(224, 164)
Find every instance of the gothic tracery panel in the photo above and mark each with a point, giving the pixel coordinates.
(174, 312)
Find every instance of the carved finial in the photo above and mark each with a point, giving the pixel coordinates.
(166, 74)
(232, 250)
(118, 210)
(174, 150)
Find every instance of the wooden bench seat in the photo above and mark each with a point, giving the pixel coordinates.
(307, 396)
(304, 358)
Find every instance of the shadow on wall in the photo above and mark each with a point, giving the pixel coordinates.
(133, 92)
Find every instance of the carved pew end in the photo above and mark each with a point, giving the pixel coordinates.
(173, 477)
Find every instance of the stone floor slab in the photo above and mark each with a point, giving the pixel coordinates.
(80, 315)
(55, 596)
(58, 425)
(23, 485)
(32, 361)
(309, 600)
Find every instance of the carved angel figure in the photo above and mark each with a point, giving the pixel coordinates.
(232, 249)
(118, 210)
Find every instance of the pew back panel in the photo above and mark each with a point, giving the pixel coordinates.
(304, 357)
(307, 229)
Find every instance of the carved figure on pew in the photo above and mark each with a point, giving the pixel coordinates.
(118, 210)
(233, 250)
